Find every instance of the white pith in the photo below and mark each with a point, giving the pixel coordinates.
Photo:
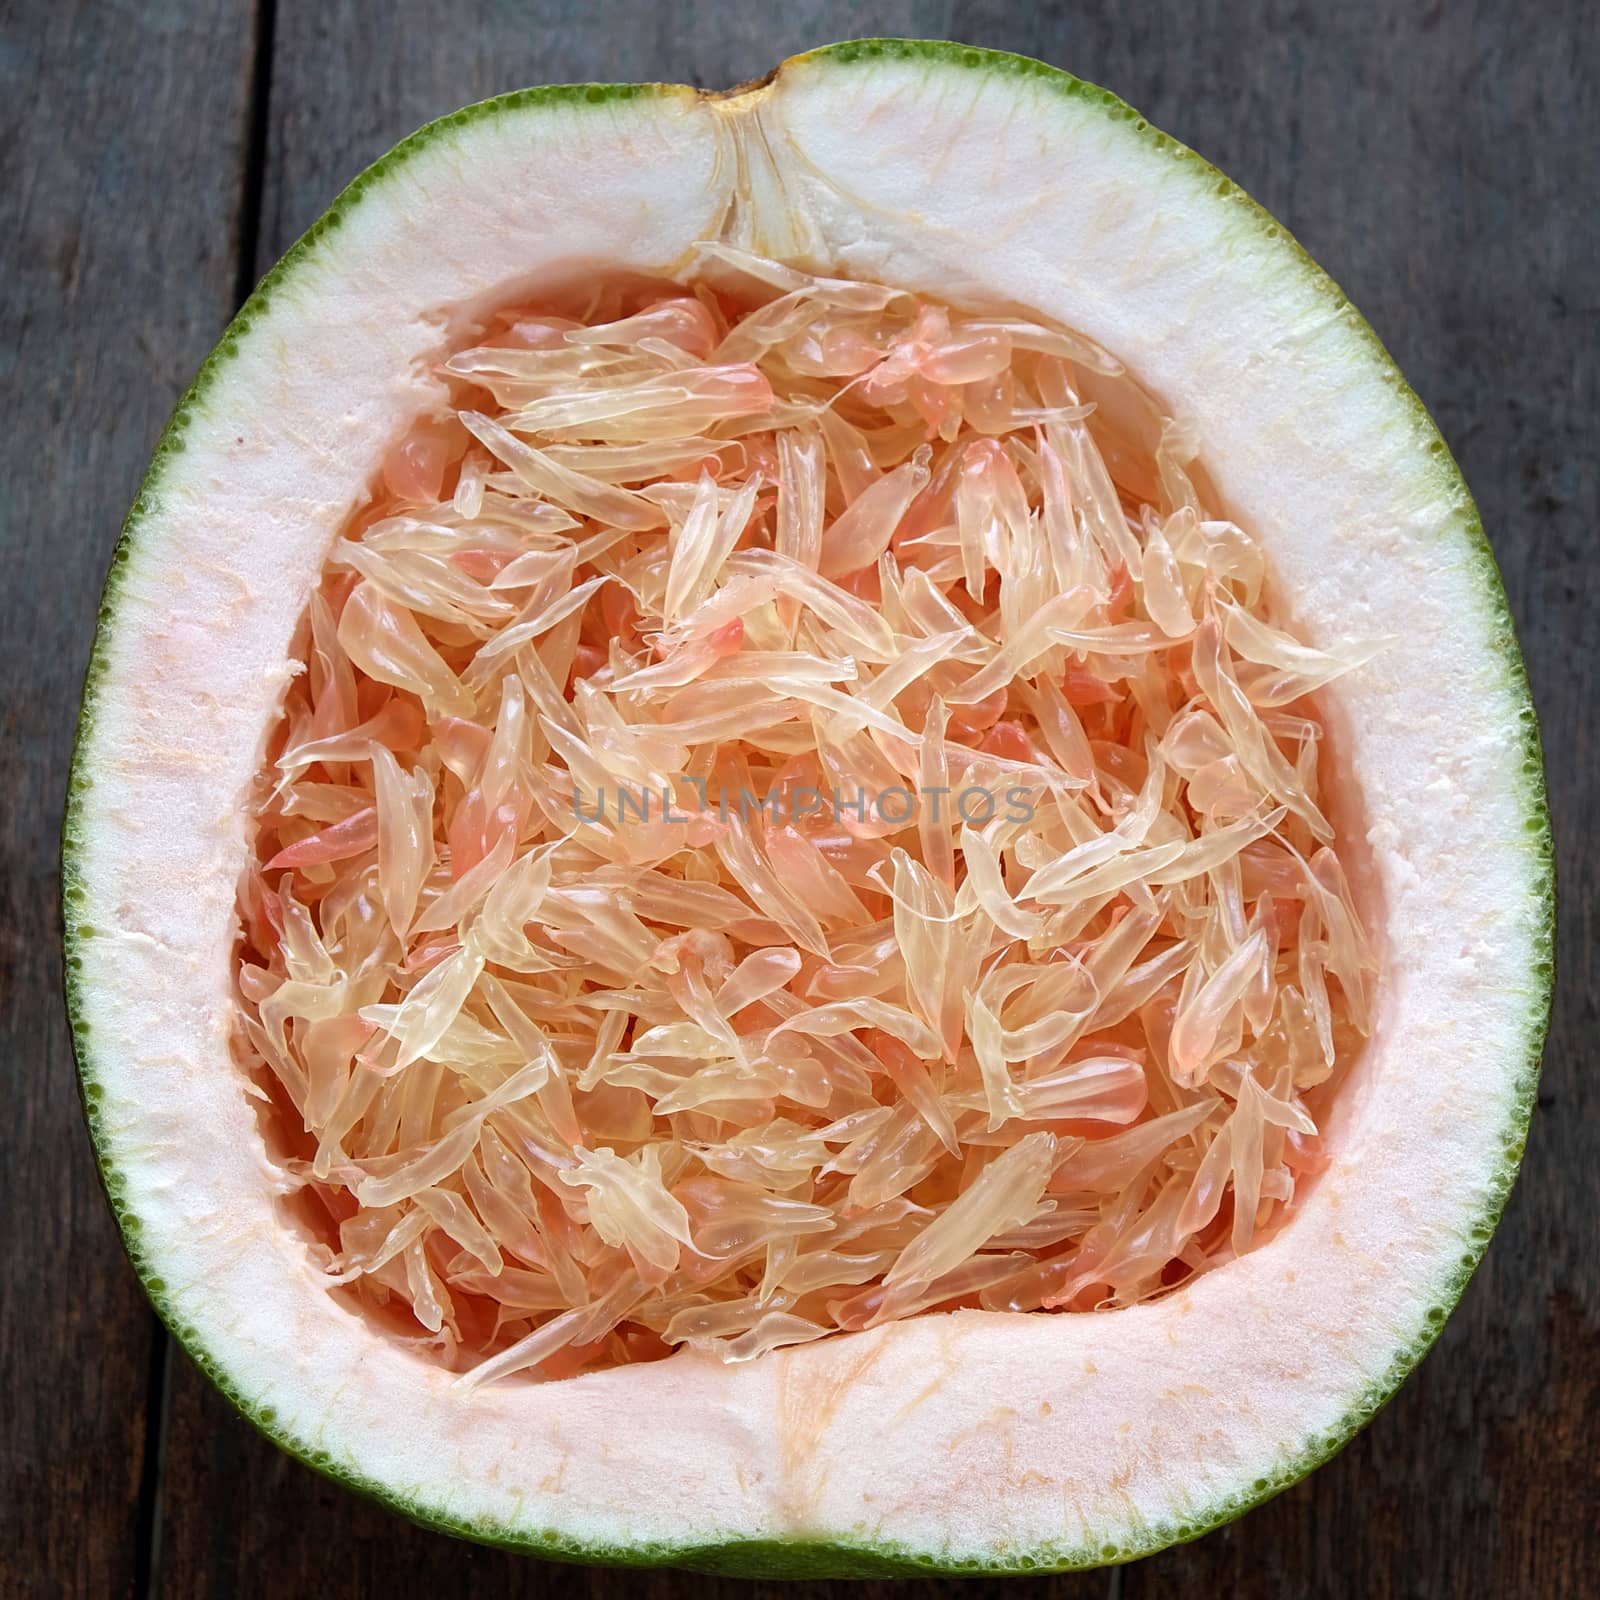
(965, 1436)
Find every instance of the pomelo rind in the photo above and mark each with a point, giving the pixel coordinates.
(802, 1557)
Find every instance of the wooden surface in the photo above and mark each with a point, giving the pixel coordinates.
(156, 157)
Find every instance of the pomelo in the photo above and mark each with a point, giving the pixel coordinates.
(554, 1063)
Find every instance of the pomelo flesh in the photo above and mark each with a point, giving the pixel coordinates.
(582, 1061)
(970, 179)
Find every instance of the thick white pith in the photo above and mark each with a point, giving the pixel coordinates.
(971, 1437)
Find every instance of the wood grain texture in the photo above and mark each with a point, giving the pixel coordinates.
(1436, 160)
(120, 153)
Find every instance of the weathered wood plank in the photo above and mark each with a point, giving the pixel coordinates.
(1437, 167)
(120, 166)
(1440, 167)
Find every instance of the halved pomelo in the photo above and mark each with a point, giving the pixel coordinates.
(921, 404)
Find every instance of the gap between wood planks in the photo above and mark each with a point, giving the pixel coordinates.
(147, 1550)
